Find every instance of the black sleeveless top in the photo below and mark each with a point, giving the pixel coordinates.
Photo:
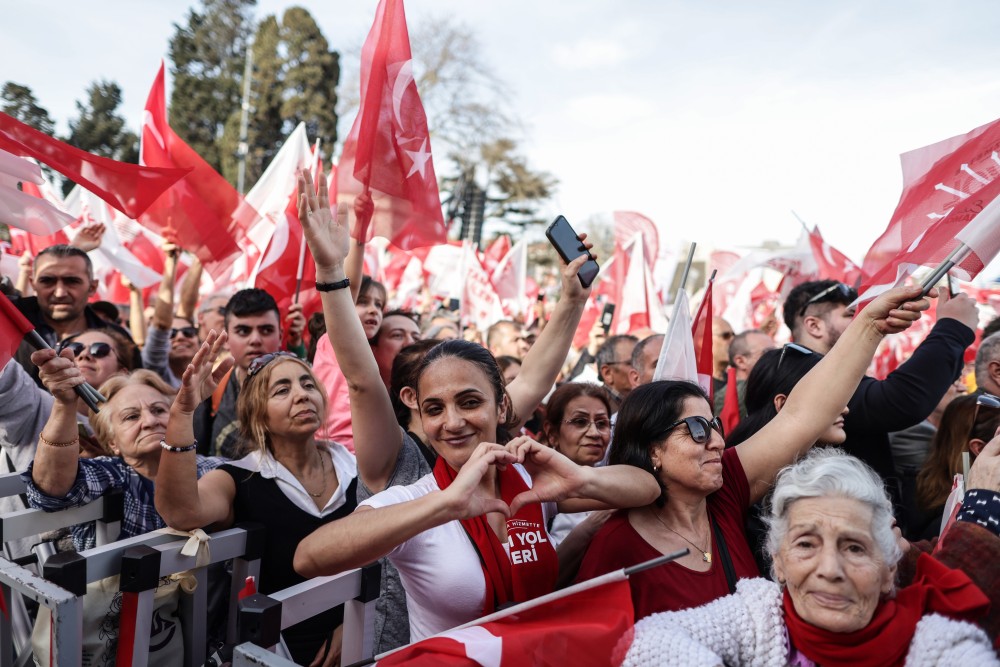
(261, 500)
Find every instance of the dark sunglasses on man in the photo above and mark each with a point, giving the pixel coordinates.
(836, 292)
(96, 350)
(794, 347)
(187, 332)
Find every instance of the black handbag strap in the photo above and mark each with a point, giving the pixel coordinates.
(723, 551)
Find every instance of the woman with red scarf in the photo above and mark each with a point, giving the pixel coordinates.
(833, 600)
(470, 537)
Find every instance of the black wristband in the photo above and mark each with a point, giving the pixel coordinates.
(329, 287)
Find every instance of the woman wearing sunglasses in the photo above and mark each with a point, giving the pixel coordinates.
(291, 482)
(668, 429)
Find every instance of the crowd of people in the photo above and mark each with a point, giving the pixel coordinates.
(836, 523)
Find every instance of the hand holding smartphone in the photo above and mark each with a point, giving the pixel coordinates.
(567, 243)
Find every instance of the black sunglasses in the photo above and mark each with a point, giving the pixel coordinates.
(835, 292)
(795, 347)
(96, 350)
(188, 332)
(699, 428)
(264, 359)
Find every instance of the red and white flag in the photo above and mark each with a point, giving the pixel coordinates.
(203, 212)
(129, 188)
(949, 198)
(510, 279)
(481, 304)
(280, 230)
(25, 241)
(389, 149)
(630, 223)
(13, 327)
(702, 330)
(677, 359)
(831, 264)
(26, 210)
(591, 623)
(495, 252)
(638, 304)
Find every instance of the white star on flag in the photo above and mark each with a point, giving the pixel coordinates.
(420, 158)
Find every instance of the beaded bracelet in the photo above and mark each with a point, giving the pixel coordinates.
(44, 441)
(171, 448)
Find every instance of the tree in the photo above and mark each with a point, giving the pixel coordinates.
(99, 129)
(19, 101)
(295, 76)
(208, 54)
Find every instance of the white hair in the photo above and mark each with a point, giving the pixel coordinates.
(830, 472)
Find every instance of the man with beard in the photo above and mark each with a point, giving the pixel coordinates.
(63, 281)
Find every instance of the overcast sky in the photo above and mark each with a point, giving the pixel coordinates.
(715, 119)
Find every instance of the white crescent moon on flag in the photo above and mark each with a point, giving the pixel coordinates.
(149, 124)
(404, 77)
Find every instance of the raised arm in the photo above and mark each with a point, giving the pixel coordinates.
(354, 266)
(163, 310)
(822, 394)
(377, 436)
(546, 357)
(58, 453)
(368, 534)
(184, 501)
(190, 286)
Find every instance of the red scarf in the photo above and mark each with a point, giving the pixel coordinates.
(532, 567)
(886, 639)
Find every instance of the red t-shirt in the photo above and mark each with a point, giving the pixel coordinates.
(672, 587)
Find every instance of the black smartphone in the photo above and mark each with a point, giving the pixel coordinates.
(569, 246)
(606, 316)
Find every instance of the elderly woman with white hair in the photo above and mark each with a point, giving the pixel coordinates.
(834, 599)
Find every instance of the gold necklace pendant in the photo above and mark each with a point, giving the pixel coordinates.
(707, 557)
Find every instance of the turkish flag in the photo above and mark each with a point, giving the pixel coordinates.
(388, 149)
(702, 330)
(495, 252)
(831, 264)
(592, 626)
(948, 198)
(202, 213)
(22, 209)
(638, 304)
(630, 223)
(129, 188)
(24, 239)
(13, 327)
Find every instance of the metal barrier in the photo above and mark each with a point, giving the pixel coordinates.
(67, 614)
(251, 655)
(263, 617)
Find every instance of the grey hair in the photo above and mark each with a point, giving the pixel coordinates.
(989, 350)
(826, 472)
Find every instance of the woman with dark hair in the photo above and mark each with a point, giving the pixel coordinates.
(965, 427)
(470, 536)
(578, 426)
(668, 429)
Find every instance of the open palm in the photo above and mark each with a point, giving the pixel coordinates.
(328, 239)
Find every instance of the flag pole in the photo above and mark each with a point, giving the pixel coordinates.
(89, 395)
(610, 577)
(302, 243)
(801, 221)
(956, 256)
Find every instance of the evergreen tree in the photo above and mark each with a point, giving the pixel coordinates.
(295, 76)
(99, 128)
(208, 54)
(19, 101)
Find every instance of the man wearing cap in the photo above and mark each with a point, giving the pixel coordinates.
(817, 313)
